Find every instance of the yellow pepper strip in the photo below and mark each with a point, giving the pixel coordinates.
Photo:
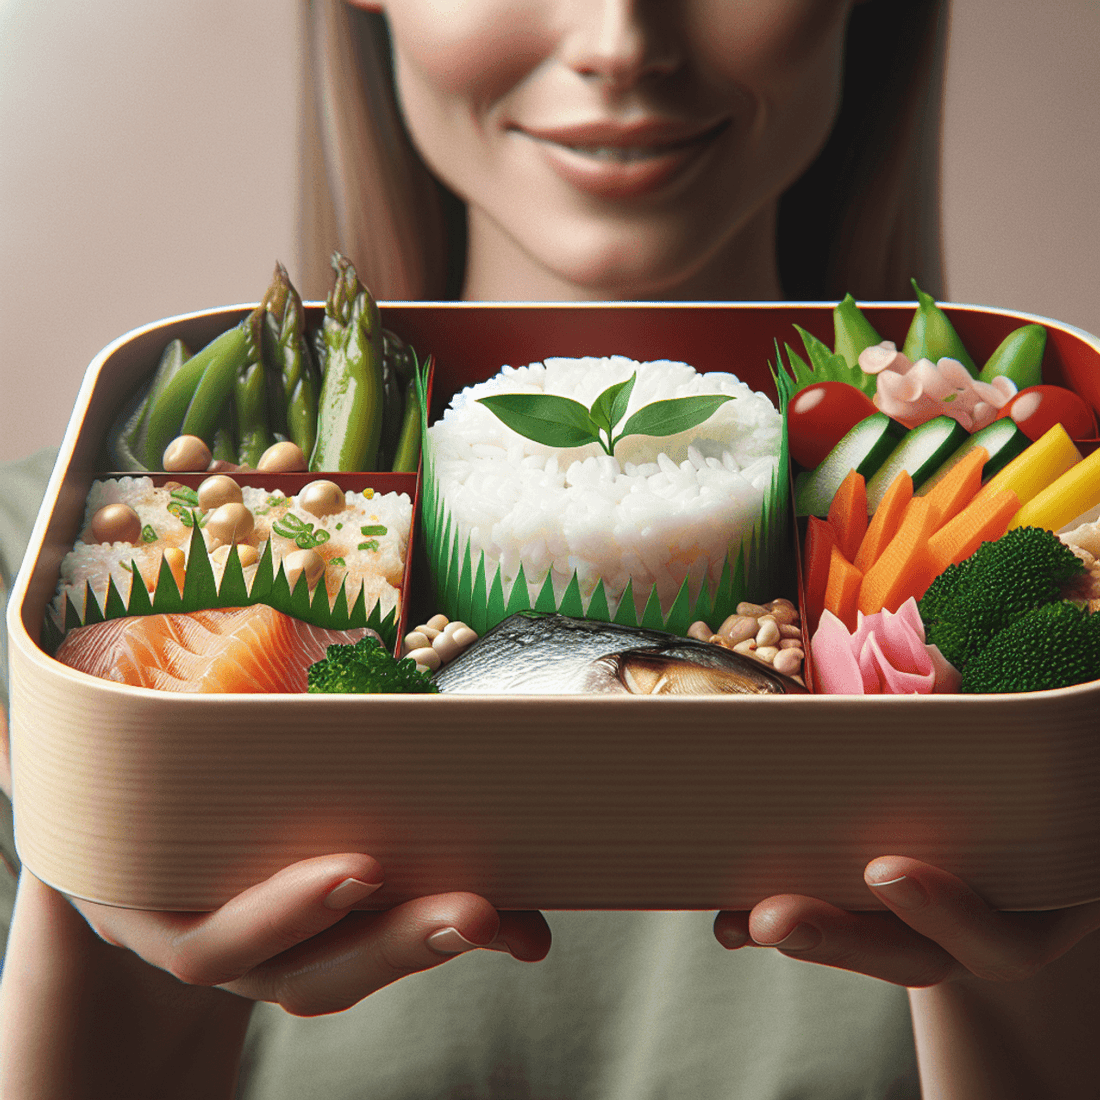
(1031, 471)
(1076, 491)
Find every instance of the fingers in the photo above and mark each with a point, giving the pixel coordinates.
(937, 930)
(267, 919)
(367, 951)
(988, 944)
(295, 940)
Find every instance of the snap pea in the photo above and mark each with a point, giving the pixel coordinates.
(932, 336)
(292, 383)
(349, 415)
(1018, 357)
(250, 395)
(852, 332)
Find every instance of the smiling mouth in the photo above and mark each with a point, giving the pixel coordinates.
(627, 163)
(627, 152)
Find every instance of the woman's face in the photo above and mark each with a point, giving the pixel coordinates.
(611, 149)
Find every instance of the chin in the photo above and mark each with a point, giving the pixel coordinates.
(626, 267)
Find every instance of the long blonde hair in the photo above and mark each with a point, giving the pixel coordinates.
(864, 217)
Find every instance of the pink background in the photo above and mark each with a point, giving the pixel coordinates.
(147, 159)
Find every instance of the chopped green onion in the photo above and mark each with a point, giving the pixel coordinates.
(339, 563)
(371, 545)
(373, 529)
(187, 495)
(148, 534)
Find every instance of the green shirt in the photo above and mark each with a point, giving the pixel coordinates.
(627, 1006)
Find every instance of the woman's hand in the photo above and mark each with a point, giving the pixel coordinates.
(295, 941)
(937, 930)
(1006, 1006)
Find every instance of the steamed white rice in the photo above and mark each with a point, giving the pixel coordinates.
(379, 570)
(664, 508)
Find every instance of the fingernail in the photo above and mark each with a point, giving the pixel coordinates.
(349, 892)
(903, 892)
(800, 938)
(450, 941)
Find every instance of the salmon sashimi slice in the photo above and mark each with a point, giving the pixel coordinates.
(233, 649)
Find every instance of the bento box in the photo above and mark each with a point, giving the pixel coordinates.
(157, 800)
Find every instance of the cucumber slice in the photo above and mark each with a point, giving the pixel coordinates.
(1004, 439)
(924, 450)
(866, 446)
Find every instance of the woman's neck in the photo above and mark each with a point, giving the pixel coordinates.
(745, 269)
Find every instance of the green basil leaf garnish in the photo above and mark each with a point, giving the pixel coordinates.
(544, 417)
(610, 407)
(674, 415)
(186, 495)
(561, 422)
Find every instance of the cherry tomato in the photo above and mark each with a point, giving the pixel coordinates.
(1038, 408)
(820, 416)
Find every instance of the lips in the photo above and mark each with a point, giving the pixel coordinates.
(617, 161)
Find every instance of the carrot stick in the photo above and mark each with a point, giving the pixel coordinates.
(904, 568)
(958, 486)
(842, 588)
(820, 540)
(848, 513)
(982, 520)
(885, 522)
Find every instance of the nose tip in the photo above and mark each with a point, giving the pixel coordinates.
(618, 44)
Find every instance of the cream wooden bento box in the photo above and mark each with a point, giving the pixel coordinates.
(163, 801)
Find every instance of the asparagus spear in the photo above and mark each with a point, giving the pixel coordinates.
(250, 396)
(292, 383)
(349, 420)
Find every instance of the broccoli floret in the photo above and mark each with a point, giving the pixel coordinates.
(367, 668)
(1054, 646)
(970, 603)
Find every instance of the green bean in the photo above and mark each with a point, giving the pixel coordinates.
(407, 454)
(224, 446)
(349, 418)
(191, 399)
(852, 332)
(1019, 357)
(227, 353)
(126, 441)
(932, 336)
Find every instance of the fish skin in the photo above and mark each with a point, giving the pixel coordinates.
(204, 651)
(537, 653)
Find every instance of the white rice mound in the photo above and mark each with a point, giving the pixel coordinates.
(664, 508)
(380, 570)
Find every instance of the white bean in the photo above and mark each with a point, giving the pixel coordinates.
(788, 661)
(446, 647)
(426, 657)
